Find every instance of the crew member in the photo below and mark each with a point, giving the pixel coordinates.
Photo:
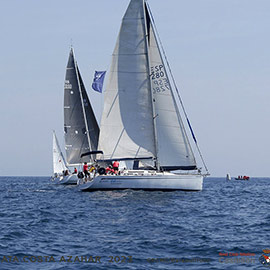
(92, 169)
(85, 169)
(109, 170)
(116, 166)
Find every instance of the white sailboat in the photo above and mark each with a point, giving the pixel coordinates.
(80, 125)
(61, 172)
(141, 121)
(59, 163)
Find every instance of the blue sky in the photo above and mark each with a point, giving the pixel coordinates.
(218, 51)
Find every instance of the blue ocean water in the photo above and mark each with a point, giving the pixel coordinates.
(48, 226)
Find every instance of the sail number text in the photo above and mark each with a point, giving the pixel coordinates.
(68, 85)
(159, 79)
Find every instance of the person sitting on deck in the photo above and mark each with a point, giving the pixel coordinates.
(75, 171)
(85, 169)
(92, 169)
(109, 170)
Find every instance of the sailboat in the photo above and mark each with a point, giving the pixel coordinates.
(141, 123)
(80, 125)
(59, 163)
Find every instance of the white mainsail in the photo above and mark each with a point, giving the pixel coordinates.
(141, 118)
(127, 127)
(59, 163)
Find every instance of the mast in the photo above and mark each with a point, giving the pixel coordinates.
(146, 24)
(82, 102)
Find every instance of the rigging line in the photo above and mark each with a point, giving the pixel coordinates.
(177, 91)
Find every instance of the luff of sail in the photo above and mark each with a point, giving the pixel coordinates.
(80, 125)
(127, 127)
(59, 163)
(173, 148)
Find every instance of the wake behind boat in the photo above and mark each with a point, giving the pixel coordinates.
(141, 123)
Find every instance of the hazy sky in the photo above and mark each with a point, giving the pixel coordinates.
(219, 52)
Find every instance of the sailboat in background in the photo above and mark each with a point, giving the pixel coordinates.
(141, 121)
(59, 163)
(80, 125)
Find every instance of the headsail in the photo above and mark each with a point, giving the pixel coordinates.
(80, 125)
(59, 163)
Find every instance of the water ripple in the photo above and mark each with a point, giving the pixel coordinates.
(40, 219)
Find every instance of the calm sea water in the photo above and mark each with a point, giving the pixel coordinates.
(47, 226)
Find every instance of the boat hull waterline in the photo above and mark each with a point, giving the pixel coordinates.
(143, 182)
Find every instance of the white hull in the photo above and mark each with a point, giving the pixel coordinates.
(159, 181)
(71, 179)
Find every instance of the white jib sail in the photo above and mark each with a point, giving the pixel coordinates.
(59, 163)
(127, 129)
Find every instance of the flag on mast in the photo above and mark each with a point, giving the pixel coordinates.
(98, 81)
